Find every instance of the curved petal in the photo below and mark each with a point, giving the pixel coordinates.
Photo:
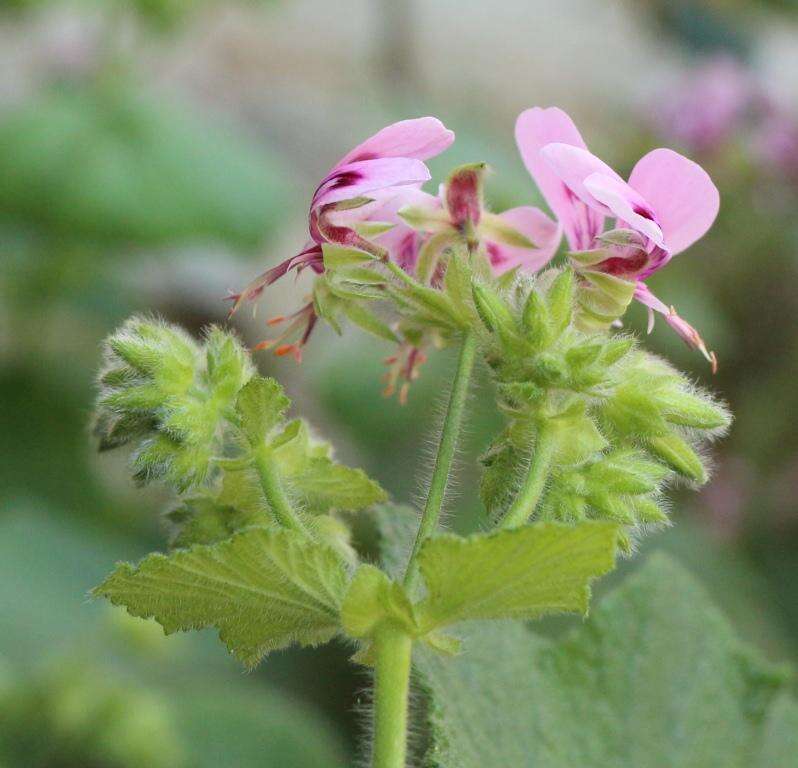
(573, 165)
(534, 129)
(537, 227)
(626, 204)
(420, 138)
(680, 193)
(364, 176)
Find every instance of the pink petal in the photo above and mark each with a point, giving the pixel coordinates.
(573, 165)
(625, 204)
(421, 138)
(686, 332)
(534, 129)
(364, 176)
(681, 194)
(539, 228)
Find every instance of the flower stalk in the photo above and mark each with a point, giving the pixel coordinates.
(525, 503)
(445, 456)
(275, 493)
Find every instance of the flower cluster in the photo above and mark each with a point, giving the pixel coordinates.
(370, 211)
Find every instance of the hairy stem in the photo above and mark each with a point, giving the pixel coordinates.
(528, 497)
(446, 449)
(275, 493)
(393, 649)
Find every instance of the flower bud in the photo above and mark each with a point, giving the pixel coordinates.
(464, 194)
(493, 311)
(535, 318)
(677, 454)
(560, 298)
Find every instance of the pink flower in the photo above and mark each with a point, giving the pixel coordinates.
(706, 109)
(380, 168)
(777, 143)
(522, 237)
(668, 203)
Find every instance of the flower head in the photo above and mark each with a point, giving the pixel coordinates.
(383, 167)
(668, 203)
(522, 237)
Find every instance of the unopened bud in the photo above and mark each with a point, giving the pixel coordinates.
(464, 194)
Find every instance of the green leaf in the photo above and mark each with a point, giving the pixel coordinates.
(261, 405)
(373, 599)
(522, 573)
(321, 483)
(262, 589)
(654, 678)
(326, 485)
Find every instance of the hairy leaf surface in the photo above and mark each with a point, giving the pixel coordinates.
(262, 589)
(522, 573)
(654, 678)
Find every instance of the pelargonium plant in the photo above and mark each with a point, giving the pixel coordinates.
(595, 427)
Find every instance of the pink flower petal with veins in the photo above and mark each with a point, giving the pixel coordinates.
(627, 205)
(573, 165)
(534, 129)
(360, 178)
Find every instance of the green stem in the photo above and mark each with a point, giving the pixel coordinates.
(528, 497)
(275, 493)
(446, 449)
(393, 649)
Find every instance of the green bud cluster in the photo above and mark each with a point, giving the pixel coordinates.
(623, 424)
(162, 391)
(200, 419)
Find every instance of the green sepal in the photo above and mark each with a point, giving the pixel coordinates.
(495, 314)
(495, 229)
(426, 219)
(560, 301)
(677, 454)
(371, 229)
(338, 256)
(368, 321)
(535, 317)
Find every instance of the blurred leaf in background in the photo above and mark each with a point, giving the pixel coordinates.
(84, 685)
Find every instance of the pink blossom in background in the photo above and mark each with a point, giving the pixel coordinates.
(708, 106)
(776, 142)
(669, 202)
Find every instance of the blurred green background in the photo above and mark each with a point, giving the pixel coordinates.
(156, 153)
